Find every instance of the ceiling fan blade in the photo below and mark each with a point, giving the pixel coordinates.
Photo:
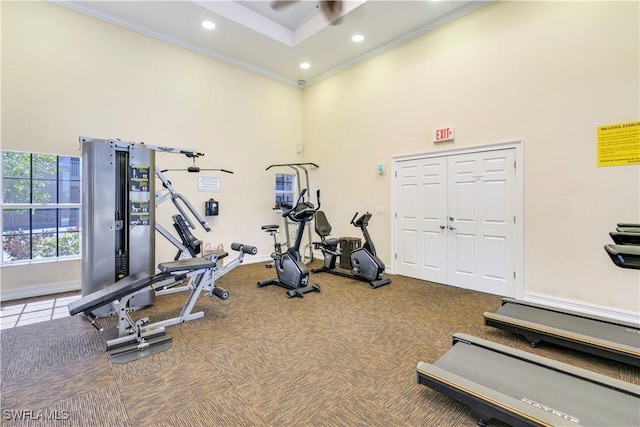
(281, 4)
(332, 10)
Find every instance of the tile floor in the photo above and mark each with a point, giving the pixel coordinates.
(26, 313)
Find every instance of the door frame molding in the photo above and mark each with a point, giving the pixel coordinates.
(518, 145)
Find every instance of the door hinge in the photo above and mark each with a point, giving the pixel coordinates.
(514, 274)
(395, 215)
(395, 174)
(514, 164)
(395, 256)
(514, 219)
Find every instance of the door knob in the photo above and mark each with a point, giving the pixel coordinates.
(452, 228)
(442, 227)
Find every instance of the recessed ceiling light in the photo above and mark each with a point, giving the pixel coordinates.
(305, 65)
(208, 25)
(357, 38)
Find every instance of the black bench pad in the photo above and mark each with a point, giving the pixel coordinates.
(113, 292)
(189, 264)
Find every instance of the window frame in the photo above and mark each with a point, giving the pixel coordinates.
(69, 185)
(288, 180)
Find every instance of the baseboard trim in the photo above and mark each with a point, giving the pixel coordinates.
(255, 259)
(57, 288)
(38, 291)
(593, 309)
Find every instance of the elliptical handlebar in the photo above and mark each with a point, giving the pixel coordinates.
(362, 221)
(302, 211)
(286, 212)
(353, 219)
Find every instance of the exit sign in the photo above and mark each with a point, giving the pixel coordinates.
(444, 134)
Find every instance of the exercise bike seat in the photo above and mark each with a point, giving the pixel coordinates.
(270, 227)
(323, 228)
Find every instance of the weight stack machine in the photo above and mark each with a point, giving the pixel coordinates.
(118, 216)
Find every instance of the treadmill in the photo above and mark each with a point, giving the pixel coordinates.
(612, 339)
(625, 237)
(624, 256)
(523, 389)
(628, 227)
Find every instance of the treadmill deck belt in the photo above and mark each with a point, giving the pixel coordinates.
(580, 325)
(607, 338)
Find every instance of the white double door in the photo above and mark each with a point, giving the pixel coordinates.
(455, 220)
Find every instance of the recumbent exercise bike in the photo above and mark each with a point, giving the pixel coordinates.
(365, 265)
(292, 272)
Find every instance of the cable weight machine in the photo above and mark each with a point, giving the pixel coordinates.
(118, 213)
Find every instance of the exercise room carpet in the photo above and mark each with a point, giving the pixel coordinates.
(344, 357)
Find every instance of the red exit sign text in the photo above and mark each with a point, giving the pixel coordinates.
(444, 134)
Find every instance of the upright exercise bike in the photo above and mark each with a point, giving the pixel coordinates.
(365, 265)
(292, 272)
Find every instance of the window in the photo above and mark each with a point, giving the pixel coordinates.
(285, 189)
(40, 206)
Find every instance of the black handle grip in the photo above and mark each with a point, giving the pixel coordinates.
(354, 218)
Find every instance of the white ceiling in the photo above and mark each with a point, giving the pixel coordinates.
(273, 42)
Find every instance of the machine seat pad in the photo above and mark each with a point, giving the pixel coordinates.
(121, 288)
(330, 242)
(189, 264)
(216, 254)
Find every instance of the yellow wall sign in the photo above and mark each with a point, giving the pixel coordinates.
(619, 144)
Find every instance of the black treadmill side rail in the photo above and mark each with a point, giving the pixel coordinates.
(487, 403)
(535, 332)
(624, 256)
(625, 237)
(628, 227)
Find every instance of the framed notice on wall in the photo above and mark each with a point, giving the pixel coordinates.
(209, 184)
(619, 144)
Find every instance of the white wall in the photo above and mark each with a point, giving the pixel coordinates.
(65, 75)
(548, 73)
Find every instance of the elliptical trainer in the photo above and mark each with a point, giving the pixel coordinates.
(365, 265)
(292, 273)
